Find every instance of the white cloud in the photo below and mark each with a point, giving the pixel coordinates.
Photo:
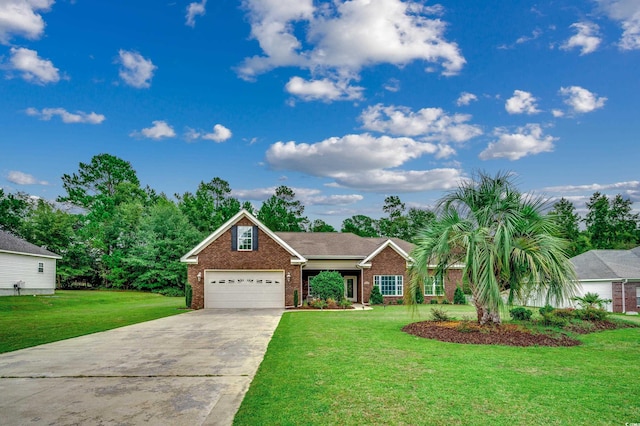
(135, 70)
(466, 98)
(20, 178)
(432, 124)
(332, 200)
(581, 100)
(345, 36)
(528, 140)
(195, 9)
(308, 196)
(393, 85)
(20, 17)
(557, 113)
(586, 39)
(627, 12)
(534, 35)
(593, 187)
(66, 116)
(324, 89)
(159, 130)
(33, 68)
(397, 181)
(521, 103)
(219, 134)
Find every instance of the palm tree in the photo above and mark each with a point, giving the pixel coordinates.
(504, 240)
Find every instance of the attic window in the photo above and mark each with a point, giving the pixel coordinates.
(40, 266)
(245, 238)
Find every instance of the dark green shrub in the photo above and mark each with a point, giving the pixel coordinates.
(169, 292)
(188, 294)
(376, 296)
(433, 301)
(546, 309)
(520, 314)
(567, 313)
(458, 297)
(549, 319)
(295, 298)
(399, 301)
(327, 284)
(345, 303)
(419, 295)
(592, 301)
(445, 301)
(591, 314)
(439, 315)
(318, 304)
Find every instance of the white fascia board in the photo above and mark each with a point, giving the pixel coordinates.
(367, 261)
(31, 254)
(226, 226)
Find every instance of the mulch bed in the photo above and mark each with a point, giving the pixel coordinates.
(472, 333)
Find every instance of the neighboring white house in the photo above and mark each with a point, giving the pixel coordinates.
(25, 268)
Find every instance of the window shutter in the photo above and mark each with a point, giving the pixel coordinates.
(234, 238)
(255, 238)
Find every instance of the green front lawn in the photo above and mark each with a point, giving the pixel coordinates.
(359, 368)
(29, 321)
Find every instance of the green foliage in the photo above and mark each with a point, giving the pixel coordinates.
(419, 297)
(320, 225)
(566, 313)
(210, 206)
(318, 303)
(503, 238)
(376, 297)
(568, 221)
(170, 292)
(592, 301)
(446, 301)
(546, 309)
(295, 298)
(282, 212)
(399, 301)
(13, 209)
(549, 318)
(520, 314)
(611, 224)
(591, 314)
(361, 225)
(439, 315)
(433, 301)
(327, 284)
(459, 297)
(188, 294)
(345, 303)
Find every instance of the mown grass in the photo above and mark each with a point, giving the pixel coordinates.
(358, 368)
(27, 321)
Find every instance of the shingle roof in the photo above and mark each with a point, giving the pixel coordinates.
(606, 264)
(336, 244)
(9, 242)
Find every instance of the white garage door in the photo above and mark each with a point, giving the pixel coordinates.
(244, 289)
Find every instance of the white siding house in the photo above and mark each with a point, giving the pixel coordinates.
(25, 268)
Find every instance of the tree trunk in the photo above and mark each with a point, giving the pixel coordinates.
(492, 317)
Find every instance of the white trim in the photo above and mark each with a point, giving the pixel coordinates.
(191, 256)
(366, 263)
(31, 254)
(396, 283)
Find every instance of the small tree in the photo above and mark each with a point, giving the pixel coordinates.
(328, 284)
(376, 296)
(458, 297)
(591, 301)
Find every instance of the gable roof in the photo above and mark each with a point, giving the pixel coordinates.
(9, 243)
(608, 264)
(338, 245)
(192, 256)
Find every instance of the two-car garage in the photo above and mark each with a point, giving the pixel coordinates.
(243, 289)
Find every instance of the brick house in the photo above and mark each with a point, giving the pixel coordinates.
(243, 264)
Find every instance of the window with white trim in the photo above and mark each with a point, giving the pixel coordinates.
(40, 266)
(389, 285)
(245, 238)
(433, 286)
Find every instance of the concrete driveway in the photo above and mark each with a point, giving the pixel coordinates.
(188, 369)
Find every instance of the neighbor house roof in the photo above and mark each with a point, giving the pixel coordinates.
(608, 264)
(9, 243)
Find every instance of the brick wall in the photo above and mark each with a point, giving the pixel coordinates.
(387, 262)
(630, 298)
(218, 255)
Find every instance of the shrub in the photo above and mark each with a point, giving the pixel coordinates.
(546, 309)
(592, 301)
(376, 296)
(566, 313)
(318, 303)
(188, 294)
(439, 315)
(328, 284)
(433, 301)
(295, 298)
(591, 314)
(170, 292)
(520, 314)
(419, 295)
(399, 301)
(445, 301)
(459, 297)
(331, 303)
(548, 318)
(345, 303)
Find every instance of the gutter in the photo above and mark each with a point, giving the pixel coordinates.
(624, 300)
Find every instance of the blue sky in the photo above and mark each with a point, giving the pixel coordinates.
(346, 102)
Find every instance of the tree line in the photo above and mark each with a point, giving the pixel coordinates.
(112, 232)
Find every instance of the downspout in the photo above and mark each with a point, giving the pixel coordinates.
(624, 300)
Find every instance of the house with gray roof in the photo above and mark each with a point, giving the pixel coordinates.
(613, 274)
(25, 268)
(244, 264)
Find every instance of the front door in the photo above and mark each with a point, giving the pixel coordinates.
(351, 288)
